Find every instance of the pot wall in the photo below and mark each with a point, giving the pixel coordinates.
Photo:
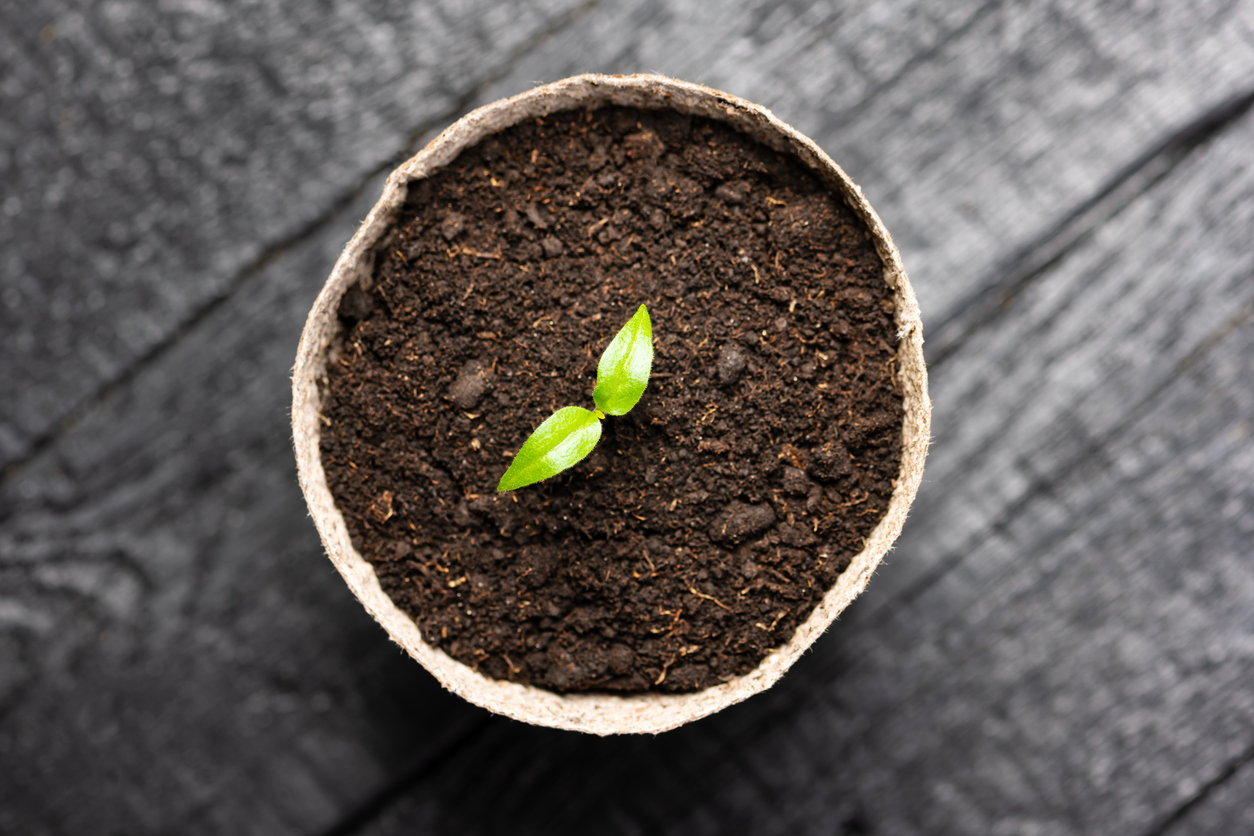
(599, 713)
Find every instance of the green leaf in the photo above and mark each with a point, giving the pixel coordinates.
(561, 441)
(624, 369)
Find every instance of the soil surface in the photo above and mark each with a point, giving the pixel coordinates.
(710, 520)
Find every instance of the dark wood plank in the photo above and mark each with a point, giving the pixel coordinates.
(1156, 285)
(151, 152)
(178, 654)
(1083, 666)
(1224, 806)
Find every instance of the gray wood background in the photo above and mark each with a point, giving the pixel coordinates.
(1061, 643)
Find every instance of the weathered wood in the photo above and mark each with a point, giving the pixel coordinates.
(1183, 271)
(151, 152)
(1084, 665)
(1225, 807)
(178, 650)
(176, 655)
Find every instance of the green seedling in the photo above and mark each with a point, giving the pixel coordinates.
(571, 433)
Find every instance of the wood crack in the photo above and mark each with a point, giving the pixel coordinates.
(361, 816)
(1032, 262)
(1042, 485)
(1226, 774)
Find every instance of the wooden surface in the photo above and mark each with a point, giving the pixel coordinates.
(1062, 641)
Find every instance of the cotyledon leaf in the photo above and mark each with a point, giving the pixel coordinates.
(623, 372)
(562, 440)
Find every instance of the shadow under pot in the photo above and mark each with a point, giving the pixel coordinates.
(719, 527)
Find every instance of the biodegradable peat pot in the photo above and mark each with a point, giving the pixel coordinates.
(649, 711)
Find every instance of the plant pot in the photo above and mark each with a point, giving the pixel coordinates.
(595, 712)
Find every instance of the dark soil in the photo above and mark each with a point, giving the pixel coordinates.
(711, 519)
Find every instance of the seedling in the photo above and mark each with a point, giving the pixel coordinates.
(571, 433)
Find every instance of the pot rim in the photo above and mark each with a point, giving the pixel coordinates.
(600, 713)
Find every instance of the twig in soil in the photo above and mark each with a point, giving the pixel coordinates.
(866, 495)
(762, 626)
(694, 591)
(662, 678)
(669, 628)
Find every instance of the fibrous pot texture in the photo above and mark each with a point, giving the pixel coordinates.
(674, 679)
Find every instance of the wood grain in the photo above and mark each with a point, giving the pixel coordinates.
(152, 152)
(1222, 806)
(181, 653)
(1059, 644)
